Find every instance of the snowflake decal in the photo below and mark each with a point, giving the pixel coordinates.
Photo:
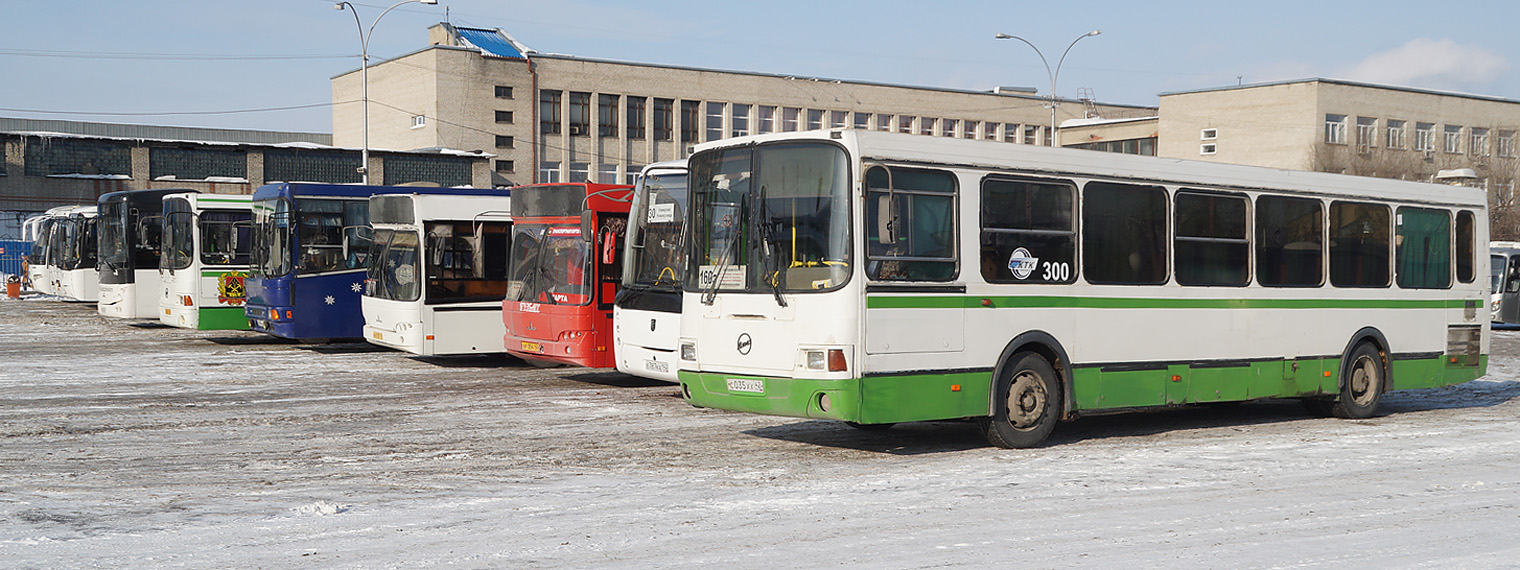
(357, 287)
(329, 300)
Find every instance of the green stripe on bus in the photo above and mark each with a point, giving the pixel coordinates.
(1043, 302)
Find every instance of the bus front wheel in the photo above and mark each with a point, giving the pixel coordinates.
(1026, 403)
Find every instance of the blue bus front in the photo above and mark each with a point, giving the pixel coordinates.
(310, 244)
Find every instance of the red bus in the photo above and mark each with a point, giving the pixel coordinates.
(564, 272)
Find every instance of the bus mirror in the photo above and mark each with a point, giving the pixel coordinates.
(588, 224)
(609, 247)
(884, 221)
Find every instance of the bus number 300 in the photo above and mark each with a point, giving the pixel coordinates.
(1056, 271)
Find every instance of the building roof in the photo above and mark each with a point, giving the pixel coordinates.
(492, 42)
(158, 132)
(1346, 83)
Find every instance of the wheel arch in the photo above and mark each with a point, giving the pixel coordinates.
(1045, 345)
(1379, 342)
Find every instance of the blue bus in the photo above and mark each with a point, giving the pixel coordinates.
(310, 247)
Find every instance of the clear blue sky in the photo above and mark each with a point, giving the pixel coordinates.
(142, 60)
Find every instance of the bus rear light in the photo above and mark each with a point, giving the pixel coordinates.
(288, 314)
(831, 360)
(274, 314)
(187, 301)
(689, 351)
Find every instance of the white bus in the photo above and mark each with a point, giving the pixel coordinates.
(1504, 283)
(38, 229)
(71, 256)
(646, 317)
(206, 242)
(878, 277)
(438, 271)
(131, 228)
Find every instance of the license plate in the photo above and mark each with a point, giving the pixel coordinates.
(532, 347)
(377, 336)
(746, 385)
(656, 366)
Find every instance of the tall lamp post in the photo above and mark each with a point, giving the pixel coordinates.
(364, 71)
(1052, 73)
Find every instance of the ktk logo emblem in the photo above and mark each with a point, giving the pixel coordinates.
(745, 343)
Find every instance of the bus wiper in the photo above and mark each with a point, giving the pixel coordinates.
(772, 271)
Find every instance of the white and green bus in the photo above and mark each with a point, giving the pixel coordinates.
(878, 278)
(206, 242)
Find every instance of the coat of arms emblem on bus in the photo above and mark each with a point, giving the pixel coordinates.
(229, 288)
(1021, 263)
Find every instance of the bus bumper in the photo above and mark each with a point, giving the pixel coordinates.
(871, 400)
(587, 349)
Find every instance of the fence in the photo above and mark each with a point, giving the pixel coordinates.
(10, 255)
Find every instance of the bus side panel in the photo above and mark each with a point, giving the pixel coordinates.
(891, 399)
(222, 319)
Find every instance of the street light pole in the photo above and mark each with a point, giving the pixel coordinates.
(364, 72)
(1053, 74)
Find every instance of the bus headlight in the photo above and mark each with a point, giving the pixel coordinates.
(689, 351)
(825, 359)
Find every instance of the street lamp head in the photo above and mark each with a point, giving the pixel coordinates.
(338, 6)
(1093, 33)
(1002, 36)
(429, 1)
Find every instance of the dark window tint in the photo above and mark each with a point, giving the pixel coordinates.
(1289, 242)
(1124, 234)
(1211, 243)
(1028, 231)
(1424, 248)
(1466, 230)
(1358, 245)
(910, 224)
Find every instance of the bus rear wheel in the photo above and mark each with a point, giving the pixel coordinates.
(1361, 384)
(1026, 403)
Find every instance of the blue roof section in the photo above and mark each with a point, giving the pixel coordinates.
(490, 41)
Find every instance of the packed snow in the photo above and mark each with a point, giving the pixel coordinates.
(127, 446)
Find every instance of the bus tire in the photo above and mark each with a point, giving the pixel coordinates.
(1362, 383)
(1026, 403)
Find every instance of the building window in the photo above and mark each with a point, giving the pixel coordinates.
(548, 112)
(1335, 129)
(580, 172)
(1453, 140)
(446, 171)
(309, 165)
(505, 117)
(503, 141)
(1208, 134)
(503, 92)
(715, 120)
(1031, 134)
(884, 123)
(926, 126)
(789, 119)
(991, 132)
(663, 116)
(1011, 133)
(970, 129)
(636, 117)
(59, 156)
(1506, 143)
(548, 172)
(905, 124)
(767, 119)
(419, 121)
(739, 122)
(168, 163)
(1478, 142)
(836, 119)
(1208, 148)
(606, 173)
(947, 127)
(632, 177)
(1366, 133)
(1425, 136)
(580, 114)
(504, 166)
(814, 119)
(1395, 134)
(691, 114)
(606, 115)
(862, 121)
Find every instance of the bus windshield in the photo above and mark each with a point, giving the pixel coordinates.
(271, 236)
(770, 219)
(656, 222)
(115, 243)
(394, 274)
(550, 265)
(179, 234)
(80, 249)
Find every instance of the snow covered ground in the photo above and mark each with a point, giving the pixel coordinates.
(134, 447)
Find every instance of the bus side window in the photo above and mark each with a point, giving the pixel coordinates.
(911, 224)
(1028, 231)
(1290, 242)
